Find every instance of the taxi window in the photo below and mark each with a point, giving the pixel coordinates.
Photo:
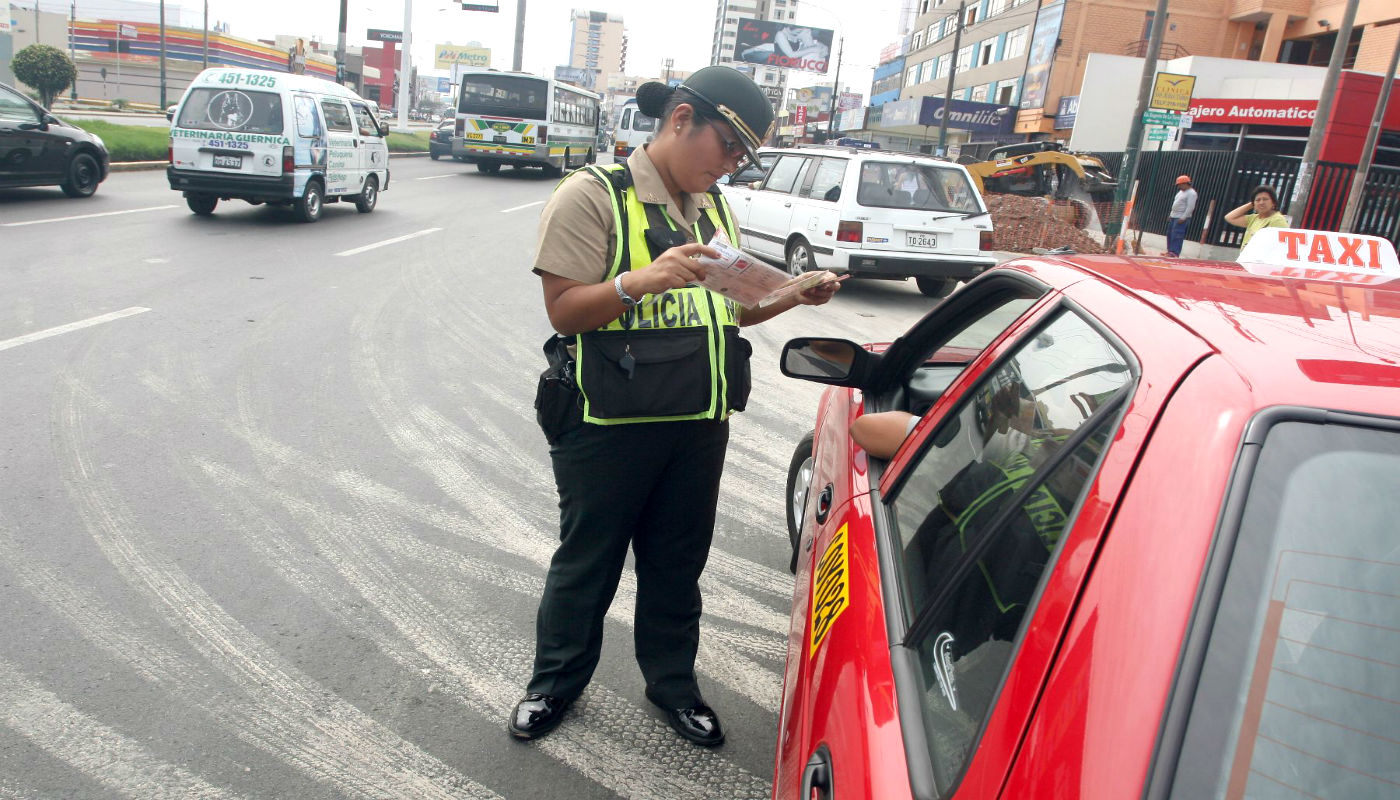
(213, 109)
(980, 516)
(1297, 695)
(337, 115)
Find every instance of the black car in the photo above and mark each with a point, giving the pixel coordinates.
(440, 141)
(39, 149)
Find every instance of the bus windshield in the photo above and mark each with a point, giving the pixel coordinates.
(504, 96)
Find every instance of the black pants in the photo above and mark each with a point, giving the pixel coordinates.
(653, 486)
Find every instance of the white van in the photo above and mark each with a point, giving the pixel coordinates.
(866, 213)
(634, 129)
(277, 138)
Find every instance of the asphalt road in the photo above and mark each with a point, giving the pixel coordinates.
(275, 513)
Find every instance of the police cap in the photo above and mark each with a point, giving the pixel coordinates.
(738, 99)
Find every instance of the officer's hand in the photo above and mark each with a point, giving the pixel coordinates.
(819, 294)
(675, 268)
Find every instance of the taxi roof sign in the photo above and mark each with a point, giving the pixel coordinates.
(1320, 256)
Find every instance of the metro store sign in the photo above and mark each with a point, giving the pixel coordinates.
(1249, 111)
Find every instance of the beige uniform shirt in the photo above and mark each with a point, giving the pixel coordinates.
(576, 237)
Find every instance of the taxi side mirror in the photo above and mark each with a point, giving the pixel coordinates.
(838, 362)
(383, 129)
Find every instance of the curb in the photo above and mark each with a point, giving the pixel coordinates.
(137, 166)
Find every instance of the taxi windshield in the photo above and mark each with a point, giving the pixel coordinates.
(1298, 685)
(238, 110)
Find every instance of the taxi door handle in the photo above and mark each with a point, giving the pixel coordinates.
(816, 776)
(787, 205)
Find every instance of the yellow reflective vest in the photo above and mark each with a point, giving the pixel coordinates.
(675, 355)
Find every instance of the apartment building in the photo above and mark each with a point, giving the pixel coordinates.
(598, 44)
(1030, 55)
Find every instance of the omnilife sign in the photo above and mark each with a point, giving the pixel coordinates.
(1247, 111)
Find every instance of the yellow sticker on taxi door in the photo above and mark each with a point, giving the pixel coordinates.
(831, 591)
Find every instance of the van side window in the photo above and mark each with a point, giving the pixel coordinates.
(368, 126)
(784, 174)
(826, 178)
(337, 115)
(308, 124)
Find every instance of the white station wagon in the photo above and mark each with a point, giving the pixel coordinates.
(869, 213)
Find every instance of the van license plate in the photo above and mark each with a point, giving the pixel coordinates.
(229, 162)
(926, 240)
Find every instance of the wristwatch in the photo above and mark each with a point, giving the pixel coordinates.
(622, 294)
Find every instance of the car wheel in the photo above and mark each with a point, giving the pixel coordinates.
(799, 256)
(201, 204)
(936, 287)
(434, 156)
(83, 176)
(799, 482)
(369, 197)
(309, 205)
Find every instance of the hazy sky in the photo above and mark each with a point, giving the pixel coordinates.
(656, 29)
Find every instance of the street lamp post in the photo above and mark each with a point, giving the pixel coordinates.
(206, 34)
(835, 90)
(952, 73)
(405, 78)
(162, 55)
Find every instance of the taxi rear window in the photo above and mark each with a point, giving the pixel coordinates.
(241, 110)
(1299, 693)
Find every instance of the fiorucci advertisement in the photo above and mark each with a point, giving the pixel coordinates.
(1047, 32)
(776, 44)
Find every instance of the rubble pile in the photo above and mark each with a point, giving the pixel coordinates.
(1023, 223)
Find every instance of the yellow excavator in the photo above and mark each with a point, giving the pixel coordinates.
(1041, 168)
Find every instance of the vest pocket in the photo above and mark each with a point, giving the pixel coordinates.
(737, 376)
(656, 373)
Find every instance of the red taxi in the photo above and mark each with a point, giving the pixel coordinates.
(1143, 540)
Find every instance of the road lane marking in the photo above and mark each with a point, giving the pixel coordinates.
(85, 216)
(6, 344)
(527, 205)
(435, 177)
(394, 240)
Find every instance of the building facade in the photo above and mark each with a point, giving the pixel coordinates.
(598, 44)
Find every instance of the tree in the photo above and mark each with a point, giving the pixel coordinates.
(45, 68)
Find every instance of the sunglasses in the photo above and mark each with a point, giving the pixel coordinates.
(732, 148)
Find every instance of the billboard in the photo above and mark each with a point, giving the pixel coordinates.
(1067, 112)
(849, 100)
(776, 44)
(445, 55)
(1047, 33)
(578, 76)
(816, 99)
(964, 115)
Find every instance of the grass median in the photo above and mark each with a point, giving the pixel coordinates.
(151, 143)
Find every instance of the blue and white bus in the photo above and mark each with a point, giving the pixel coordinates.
(521, 120)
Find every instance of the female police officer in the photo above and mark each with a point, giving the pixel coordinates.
(660, 367)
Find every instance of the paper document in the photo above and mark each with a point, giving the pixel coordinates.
(752, 283)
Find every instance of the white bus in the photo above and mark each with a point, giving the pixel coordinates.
(520, 120)
(634, 129)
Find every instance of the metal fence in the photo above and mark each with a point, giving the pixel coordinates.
(1227, 178)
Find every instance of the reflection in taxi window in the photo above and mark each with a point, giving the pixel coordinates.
(1297, 696)
(984, 508)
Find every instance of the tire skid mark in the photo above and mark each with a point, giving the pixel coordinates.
(452, 476)
(95, 750)
(338, 741)
(760, 684)
(483, 662)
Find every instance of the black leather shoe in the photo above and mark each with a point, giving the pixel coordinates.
(535, 715)
(698, 724)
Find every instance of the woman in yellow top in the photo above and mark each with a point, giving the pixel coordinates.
(1264, 203)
